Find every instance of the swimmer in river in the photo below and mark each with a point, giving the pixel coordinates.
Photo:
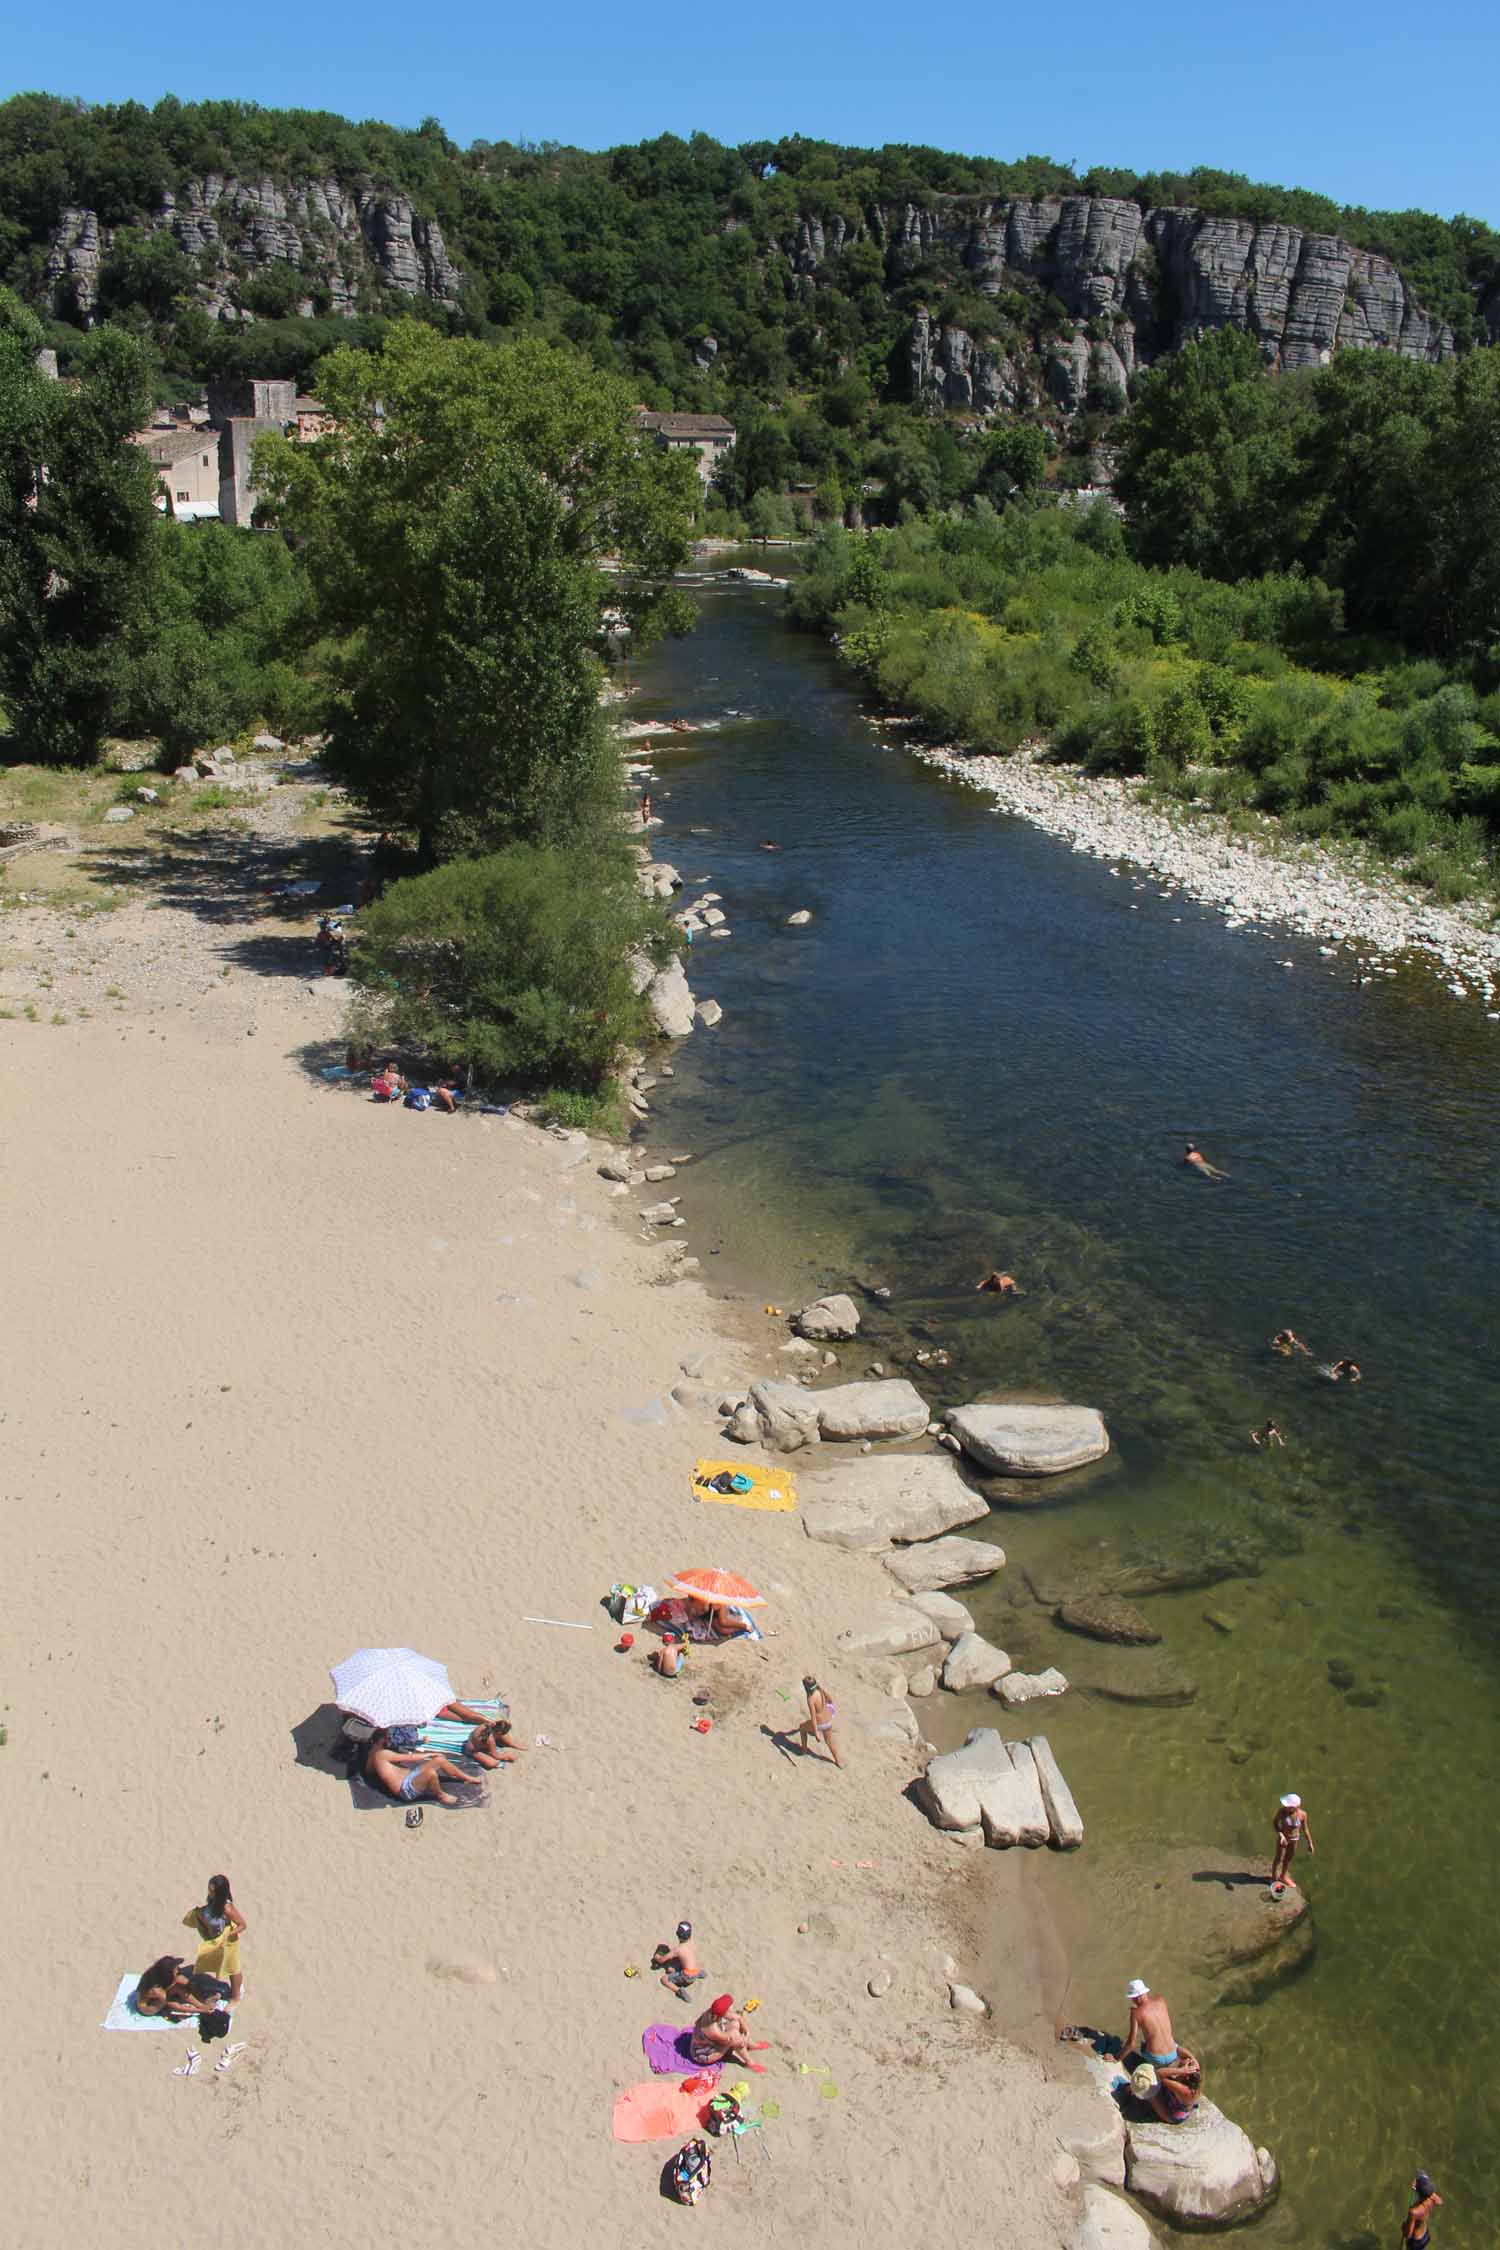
(1195, 1160)
(770, 847)
(1000, 1285)
(1345, 1371)
(1269, 1435)
(1285, 1342)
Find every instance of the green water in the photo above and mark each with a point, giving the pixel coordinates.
(987, 1049)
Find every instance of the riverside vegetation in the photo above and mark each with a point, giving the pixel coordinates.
(1333, 660)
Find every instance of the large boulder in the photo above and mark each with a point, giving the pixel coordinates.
(949, 1616)
(1062, 1812)
(889, 1502)
(1202, 2173)
(990, 1784)
(871, 1410)
(890, 1628)
(829, 1320)
(973, 1663)
(1108, 2222)
(1105, 1617)
(1091, 2130)
(667, 995)
(944, 1562)
(786, 1415)
(1030, 1441)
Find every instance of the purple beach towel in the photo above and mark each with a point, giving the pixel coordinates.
(669, 2050)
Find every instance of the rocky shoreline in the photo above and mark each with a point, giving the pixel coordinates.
(1271, 882)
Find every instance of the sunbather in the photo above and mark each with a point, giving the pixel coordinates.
(167, 1989)
(408, 1775)
(720, 2035)
(490, 1744)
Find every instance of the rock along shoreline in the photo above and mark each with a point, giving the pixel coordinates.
(1249, 882)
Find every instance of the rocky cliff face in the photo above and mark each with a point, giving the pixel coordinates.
(1129, 284)
(346, 244)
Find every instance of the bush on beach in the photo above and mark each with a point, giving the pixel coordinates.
(510, 968)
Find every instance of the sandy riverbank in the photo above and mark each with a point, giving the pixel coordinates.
(1276, 881)
(285, 1373)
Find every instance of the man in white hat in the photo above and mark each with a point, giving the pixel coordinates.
(1149, 2033)
(1291, 1829)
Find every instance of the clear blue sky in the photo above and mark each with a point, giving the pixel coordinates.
(1380, 103)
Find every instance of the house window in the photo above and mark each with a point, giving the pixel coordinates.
(205, 460)
(184, 496)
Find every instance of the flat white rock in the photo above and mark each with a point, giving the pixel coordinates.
(1030, 1441)
(944, 1562)
(888, 1503)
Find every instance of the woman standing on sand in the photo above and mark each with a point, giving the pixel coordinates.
(219, 1924)
(819, 1722)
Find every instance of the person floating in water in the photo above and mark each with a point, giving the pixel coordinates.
(1000, 1284)
(1416, 2230)
(1345, 1371)
(1268, 1435)
(1285, 1342)
(1292, 1828)
(1195, 1160)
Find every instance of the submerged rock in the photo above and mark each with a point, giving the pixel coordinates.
(1104, 1617)
(1028, 1687)
(1030, 1441)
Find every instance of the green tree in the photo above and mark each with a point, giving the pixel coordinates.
(513, 966)
(453, 529)
(1015, 457)
(76, 517)
(1207, 465)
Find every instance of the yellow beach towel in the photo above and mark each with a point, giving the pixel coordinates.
(770, 1489)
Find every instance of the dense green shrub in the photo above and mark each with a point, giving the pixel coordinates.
(511, 968)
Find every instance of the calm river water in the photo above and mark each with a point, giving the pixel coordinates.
(986, 1049)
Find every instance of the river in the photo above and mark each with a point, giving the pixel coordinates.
(986, 1049)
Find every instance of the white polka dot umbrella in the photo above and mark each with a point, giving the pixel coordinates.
(391, 1687)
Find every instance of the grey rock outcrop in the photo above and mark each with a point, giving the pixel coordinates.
(888, 1503)
(828, 1319)
(1091, 2129)
(937, 1563)
(1029, 1441)
(1152, 279)
(786, 1416)
(1204, 2172)
(1062, 1812)
(973, 1663)
(347, 244)
(668, 996)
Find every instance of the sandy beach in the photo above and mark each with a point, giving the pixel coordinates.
(284, 1373)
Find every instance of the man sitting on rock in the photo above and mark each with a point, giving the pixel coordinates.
(1149, 2032)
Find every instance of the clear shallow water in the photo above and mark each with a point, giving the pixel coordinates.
(978, 1053)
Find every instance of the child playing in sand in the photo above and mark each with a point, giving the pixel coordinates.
(219, 1925)
(679, 1963)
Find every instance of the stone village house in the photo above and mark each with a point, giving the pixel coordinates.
(708, 435)
(202, 458)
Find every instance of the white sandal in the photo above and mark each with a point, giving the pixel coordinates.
(226, 2060)
(189, 2067)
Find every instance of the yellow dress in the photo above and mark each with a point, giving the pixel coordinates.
(218, 1956)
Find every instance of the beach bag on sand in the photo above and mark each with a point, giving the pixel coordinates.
(419, 1098)
(692, 2169)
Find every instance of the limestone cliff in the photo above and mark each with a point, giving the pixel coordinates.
(347, 245)
(1106, 287)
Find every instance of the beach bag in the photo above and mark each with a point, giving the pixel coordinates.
(419, 1098)
(724, 2113)
(692, 2169)
(639, 1602)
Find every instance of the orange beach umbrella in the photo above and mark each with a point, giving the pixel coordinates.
(718, 1586)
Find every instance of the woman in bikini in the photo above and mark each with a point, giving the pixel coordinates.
(1416, 2231)
(1291, 1830)
(820, 1721)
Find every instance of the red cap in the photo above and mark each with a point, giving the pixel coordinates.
(722, 2005)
